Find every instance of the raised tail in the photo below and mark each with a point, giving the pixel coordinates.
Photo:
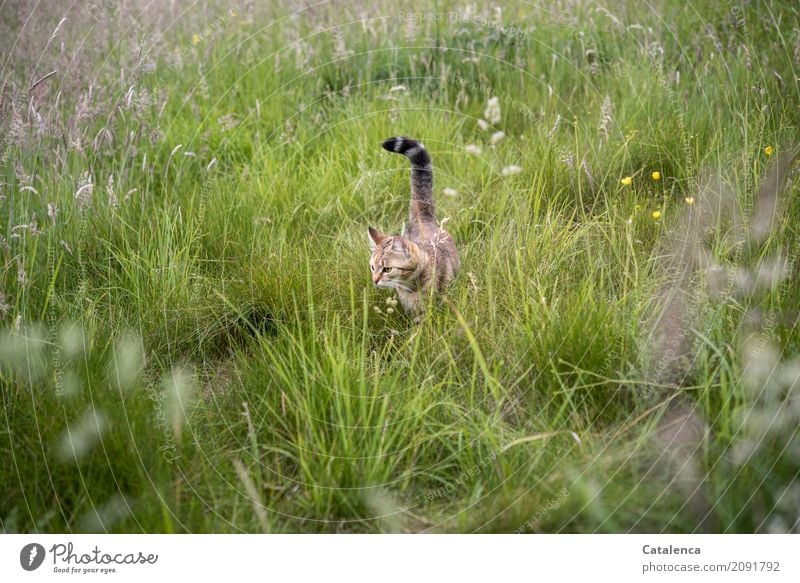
(422, 207)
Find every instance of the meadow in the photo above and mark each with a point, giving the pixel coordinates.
(190, 340)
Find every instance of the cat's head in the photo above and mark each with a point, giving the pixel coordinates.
(394, 260)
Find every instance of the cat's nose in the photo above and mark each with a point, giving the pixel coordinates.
(376, 279)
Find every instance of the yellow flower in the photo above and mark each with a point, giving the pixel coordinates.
(656, 175)
(637, 207)
(627, 181)
(195, 39)
(689, 200)
(769, 150)
(656, 215)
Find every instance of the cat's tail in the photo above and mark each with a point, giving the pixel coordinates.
(422, 207)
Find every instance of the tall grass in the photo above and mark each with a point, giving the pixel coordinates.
(191, 342)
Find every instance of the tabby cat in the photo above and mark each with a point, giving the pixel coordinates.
(424, 259)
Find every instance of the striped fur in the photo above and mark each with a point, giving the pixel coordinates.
(424, 259)
(422, 207)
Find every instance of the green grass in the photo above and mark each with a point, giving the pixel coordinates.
(199, 348)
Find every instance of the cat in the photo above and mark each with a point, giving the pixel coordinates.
(424, 259)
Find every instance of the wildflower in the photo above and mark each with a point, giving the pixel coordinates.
(390, 310)
(492, 111)
(450, 192)
(689, 200)
(473, 149)
(627, 181)
(656, 175)
(637, 208)
(656, 215)
(511, 170)
(497, 137)
(769, 150)
(195, 39)
(483, 124)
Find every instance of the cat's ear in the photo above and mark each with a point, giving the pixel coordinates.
(375, 238)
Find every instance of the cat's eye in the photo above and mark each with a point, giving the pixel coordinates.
(387, 269)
